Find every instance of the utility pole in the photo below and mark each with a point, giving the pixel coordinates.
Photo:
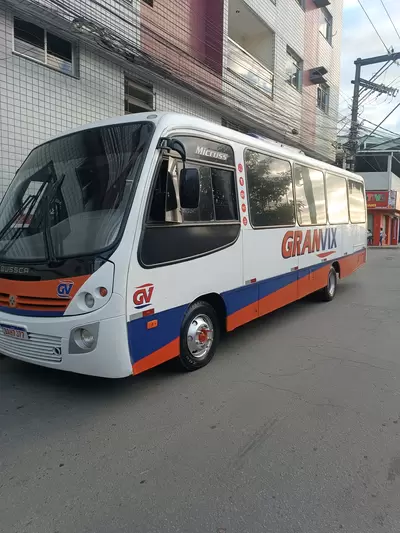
(358, 82)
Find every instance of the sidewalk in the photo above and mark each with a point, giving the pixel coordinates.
(385, 247)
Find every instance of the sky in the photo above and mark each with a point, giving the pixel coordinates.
(361, 40)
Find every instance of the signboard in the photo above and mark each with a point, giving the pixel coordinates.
(383, 200)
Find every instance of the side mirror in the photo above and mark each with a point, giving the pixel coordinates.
(189, 188)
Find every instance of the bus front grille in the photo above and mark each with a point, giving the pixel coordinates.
(30, 303)
(40, 348)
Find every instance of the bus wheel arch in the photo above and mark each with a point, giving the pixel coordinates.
(327, 293)
(336, 266)
(218, 303)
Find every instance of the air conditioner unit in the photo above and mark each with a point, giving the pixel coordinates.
(317, 75)
(322, 3)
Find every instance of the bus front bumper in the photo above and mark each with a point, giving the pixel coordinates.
(57, 343)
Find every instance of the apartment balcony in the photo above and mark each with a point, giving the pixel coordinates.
(250, 47)
(249, 69)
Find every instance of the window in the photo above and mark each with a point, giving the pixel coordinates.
(172, 233)
(138, 98)
(310, 196)
(217, 186)
(293, 69)
(39, 44)
(148, 2)
(396, 165)
(217, 195)
(323, 97)
(336, 195)
(270, 190)
(372, 163)
(356, 202)
(325, 24)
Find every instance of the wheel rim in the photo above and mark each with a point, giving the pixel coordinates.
(332, 283)
(200, 336)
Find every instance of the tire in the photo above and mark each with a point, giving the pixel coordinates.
(200, 334)
(328, 293)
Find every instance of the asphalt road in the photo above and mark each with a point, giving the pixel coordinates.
(293, 428)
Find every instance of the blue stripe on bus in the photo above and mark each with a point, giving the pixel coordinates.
(143, 341)
(28, 312)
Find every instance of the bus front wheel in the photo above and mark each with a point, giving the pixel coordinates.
(328, 293)
(200, 334)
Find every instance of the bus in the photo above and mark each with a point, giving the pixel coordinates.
(137, 240)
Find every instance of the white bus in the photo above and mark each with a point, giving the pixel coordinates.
(136, 240)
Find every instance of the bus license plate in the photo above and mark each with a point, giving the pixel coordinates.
(15, 332)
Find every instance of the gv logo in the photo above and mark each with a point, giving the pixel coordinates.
(64, 289)
(142, 295)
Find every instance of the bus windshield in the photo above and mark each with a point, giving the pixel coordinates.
(70, 195)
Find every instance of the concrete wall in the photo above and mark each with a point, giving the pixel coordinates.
(394, 182)
(376, 181)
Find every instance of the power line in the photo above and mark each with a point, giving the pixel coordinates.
(373, 25)
(382, 121)
(390, 18)
(384, 129)
(259, 113)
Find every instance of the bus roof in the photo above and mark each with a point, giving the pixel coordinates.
(191, 122)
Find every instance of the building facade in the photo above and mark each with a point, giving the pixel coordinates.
(381, 173)
(265, 66)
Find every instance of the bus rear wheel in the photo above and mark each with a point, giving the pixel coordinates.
(328, 293)
(200, 334)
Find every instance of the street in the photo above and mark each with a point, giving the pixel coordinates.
(293, 428)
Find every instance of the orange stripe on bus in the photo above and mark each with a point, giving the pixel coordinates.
(167, 352)
(242, 316)
(39, 289)
(314, 281)
(278, 299)
(351, 263)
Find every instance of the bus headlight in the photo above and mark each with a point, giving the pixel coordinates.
(84, 339)
(89, 300)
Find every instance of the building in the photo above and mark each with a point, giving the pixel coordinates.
(380, 140)
(266, 66)
(381, 172)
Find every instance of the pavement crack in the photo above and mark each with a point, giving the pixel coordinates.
(291, 374)
(347, 360)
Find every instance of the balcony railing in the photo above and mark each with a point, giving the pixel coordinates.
(249, 69)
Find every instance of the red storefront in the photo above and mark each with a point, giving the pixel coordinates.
(384, 212)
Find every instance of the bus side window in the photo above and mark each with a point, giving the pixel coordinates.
(336, 195)
(356, 202)
(270, 190)
(310, 195)
(218, 200)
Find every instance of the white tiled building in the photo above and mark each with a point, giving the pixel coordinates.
(252, 64)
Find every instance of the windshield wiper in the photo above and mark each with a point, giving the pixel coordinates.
(29, 203)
